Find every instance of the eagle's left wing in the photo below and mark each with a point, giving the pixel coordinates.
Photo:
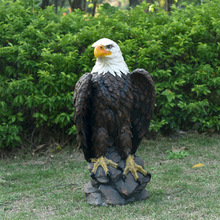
(143, 107)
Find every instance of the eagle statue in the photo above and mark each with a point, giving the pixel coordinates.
(113, 107)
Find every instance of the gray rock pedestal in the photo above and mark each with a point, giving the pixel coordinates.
(114, 190)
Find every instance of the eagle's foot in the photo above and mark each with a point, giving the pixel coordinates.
(133, 168)
(103, 162)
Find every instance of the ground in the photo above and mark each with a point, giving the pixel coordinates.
(51, 186)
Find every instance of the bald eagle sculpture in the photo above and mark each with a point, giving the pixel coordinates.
(113, 107)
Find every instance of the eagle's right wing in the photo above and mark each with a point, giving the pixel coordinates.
(82, 104)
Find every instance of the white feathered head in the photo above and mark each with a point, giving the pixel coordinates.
(108, 58)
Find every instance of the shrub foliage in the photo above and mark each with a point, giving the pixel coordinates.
(43, 54)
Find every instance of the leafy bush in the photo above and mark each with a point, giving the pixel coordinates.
(43, 54)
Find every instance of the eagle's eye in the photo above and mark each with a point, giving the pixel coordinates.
(109, 46)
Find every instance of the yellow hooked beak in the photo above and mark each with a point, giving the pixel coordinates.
(100, 51)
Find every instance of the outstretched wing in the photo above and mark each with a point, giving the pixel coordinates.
(81, 101)
(143, 107)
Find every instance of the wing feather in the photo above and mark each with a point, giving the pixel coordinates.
(81, 101)
(144, 100)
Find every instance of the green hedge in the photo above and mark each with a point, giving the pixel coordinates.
(43, 54)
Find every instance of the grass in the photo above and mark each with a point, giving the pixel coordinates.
(51, 187)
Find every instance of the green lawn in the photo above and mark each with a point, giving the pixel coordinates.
(51, 186)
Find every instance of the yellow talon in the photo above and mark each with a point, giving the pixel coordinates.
(133, 168)
(103, 162)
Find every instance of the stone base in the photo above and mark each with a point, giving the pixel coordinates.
(114, 191)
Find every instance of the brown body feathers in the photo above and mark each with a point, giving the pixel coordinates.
(113, 110)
